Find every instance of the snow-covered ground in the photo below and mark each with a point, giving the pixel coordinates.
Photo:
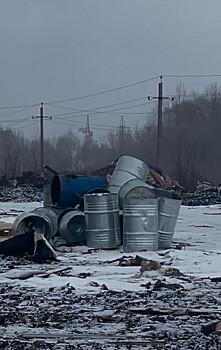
(198, 227)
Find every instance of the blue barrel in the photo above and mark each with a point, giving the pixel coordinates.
(68, 190)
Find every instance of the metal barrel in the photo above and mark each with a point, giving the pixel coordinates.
(72, 227)
(136, 189)
(140, 225)
(47, 195)
(127, 168)
(95, 190)
(40, 220)
(68, 191)
(168, 210)
(102, 220)
(160, 192)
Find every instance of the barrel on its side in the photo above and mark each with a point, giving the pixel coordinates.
(40, 220)
(68, 191)
(136, 189)
(102, 220)
(168, 214)
(140, 225)
(72, 227)
(127, 168)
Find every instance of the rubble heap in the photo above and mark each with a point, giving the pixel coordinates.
(21, 194)
(25, 188)
(205, 194)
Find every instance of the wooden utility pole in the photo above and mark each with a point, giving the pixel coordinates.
(42, 138)
(160, 99)
(41, 117)
(159, 122)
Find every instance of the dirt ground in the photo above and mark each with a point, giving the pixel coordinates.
(161, 316)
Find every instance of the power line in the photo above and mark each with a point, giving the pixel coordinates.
(23, 126)
(14, 121)
(96, 128)
(190, 75)
(104, 92)
(23, 106)
(16, 112)
(97, 108)
(92, 112)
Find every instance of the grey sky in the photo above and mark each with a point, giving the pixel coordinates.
(53, 50)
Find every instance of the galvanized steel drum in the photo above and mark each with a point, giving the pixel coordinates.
(160, 192)
(72, 227)
(140, 225)
(168, 213)
(136, 189)
(40, 220)
(127, 168)
(102, 220)
(47, 195)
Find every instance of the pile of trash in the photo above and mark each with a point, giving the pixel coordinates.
(106, 212)
(25, 188)
(20, 194)
(204, 194)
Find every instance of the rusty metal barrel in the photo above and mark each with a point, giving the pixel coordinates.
(127, 168)
(102, 220)
(72, 227)
(41, 220)
(168, 209)
(140, 225)
(136, 189)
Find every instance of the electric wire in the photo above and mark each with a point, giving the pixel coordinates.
(16, 112)
(22, 106)
(23, 126)
(97, 128)
(92, 113)
(191, 75)
(104, 91)
(102, 107)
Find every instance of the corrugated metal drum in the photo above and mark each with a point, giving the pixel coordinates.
(41, 220)
(140, 225)
(127, 168)
(136, 189)
(102, 220)
(72, 227)
(168, 213)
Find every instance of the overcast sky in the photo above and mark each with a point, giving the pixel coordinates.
(53, 50)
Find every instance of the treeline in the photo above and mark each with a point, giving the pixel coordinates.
(191, 144)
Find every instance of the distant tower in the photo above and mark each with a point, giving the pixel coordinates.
(121, 132)
(87, 131)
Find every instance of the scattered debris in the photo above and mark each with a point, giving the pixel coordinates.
(210, 327)
(31, 245)
(5, 229)
(160, 284)
(215, 279)
(204, 194)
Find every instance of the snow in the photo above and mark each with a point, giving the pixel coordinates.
(198, 227)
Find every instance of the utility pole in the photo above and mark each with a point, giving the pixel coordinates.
(160, 99)
(42, 138)
(41, 117)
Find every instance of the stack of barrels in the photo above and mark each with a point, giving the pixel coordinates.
(87, 210)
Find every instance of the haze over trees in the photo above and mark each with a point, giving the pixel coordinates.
(190, 146)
